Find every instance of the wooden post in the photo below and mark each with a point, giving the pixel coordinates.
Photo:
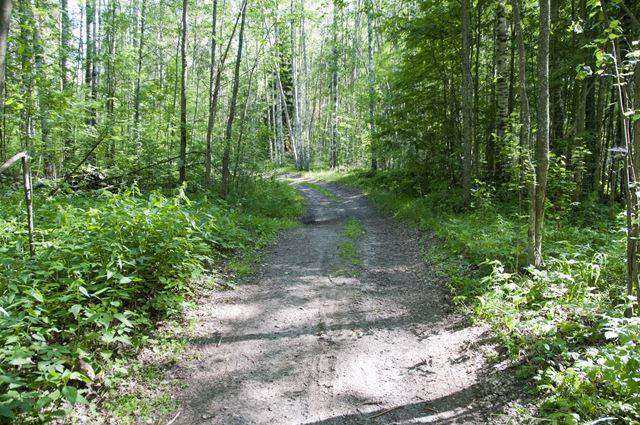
(26, 179)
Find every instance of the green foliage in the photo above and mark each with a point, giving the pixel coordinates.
(107, 267)
(564, 325)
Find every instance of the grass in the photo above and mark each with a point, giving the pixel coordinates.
(322, 190)
(348, 249)
(562, 326)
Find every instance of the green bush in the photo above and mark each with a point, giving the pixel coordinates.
(107, 267)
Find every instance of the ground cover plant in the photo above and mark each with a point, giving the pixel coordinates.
(107, 267)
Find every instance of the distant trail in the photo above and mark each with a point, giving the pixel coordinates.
(312, 340)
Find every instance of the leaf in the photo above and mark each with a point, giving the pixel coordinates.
(83, 291)
(36, 294)
(75, 309)
(122, 318)
(38, 337)
(21, 361)
(70, 394)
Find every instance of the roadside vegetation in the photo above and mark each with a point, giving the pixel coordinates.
(135, 135)
(109, 266)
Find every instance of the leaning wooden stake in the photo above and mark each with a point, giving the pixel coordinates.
(26, 179)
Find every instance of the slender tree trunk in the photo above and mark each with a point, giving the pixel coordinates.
(297, 121)
(371, 68)
(599, 135)
(525, 110)
(5, 20)
(136, 106)
(557, 95)
(512, 72)
(629, 176)
(111, 77)
(527, 171)
(243, 121)
(333, 149)
(224, 184)
(215, 93)
(542, 139)
(467, 102)
(490, 148)
(89, 72)
(65, 37)
(278, 117)
(27, 80)
(502, 71)
(183, 95)
(43, 88)
(305, 113)
(212, 78)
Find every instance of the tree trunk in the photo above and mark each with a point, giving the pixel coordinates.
(136, 106)
(629, 176)
(183, 95)
(278, 121)
(371, 68)
(48, 153)
(467, 103)
(502, 71)
(333, 149)
(527, 171)
(599, 135)
(27, 81)
(5, 20)
(299, 152)
(212, 78)
(542, 139)
(65, 37)
(224, 184)
(111, 78)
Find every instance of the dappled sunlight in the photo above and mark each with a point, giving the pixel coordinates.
(308, 344)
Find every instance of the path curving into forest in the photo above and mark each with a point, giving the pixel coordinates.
(317, 338)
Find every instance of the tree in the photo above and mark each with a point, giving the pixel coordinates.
(136, 105)
(226, 155)
(542, 138)
(524, 158)
(212, 97)
(371, 69)
(333, 155)
(467, 102)
(183, 95)
(5, 20)
(502, 72)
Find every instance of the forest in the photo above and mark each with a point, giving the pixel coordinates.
(453, 181)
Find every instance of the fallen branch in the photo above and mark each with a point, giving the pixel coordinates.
(12, 161)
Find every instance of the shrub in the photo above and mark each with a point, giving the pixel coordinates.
(107, 267)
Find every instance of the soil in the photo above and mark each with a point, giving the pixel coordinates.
(314, 338)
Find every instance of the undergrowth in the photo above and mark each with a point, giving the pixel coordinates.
(348, 248)
(563, 325)
(107, 268)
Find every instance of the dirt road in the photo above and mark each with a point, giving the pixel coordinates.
(322, 337)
